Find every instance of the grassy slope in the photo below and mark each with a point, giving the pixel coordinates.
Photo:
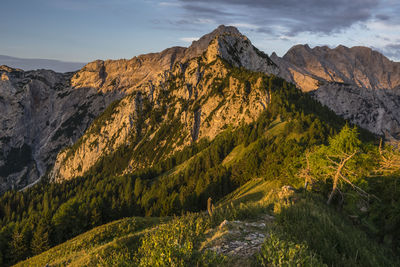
(89, 248)
(256, 190)
(330, 237)
(301, 220)
(103, 242)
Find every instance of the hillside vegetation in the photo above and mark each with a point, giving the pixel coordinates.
(294, 141)
(298, 227)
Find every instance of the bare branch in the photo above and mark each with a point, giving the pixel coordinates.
(380, 150)
(390, 161)
(365, 194)
(332, 161)
(306, 173)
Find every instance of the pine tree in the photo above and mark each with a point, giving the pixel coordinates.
(95, 218)
(40, 241)
(138, 187)
(18, 247)
(46, 204)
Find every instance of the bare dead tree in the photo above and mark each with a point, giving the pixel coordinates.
(340, 163)
(339, 175)
(306, 172)
(210, 207)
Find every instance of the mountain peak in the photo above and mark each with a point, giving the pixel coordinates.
(8, 69)
(226, 29)
(198, 47)
(229, 44)
(341, 47)
(221, 30)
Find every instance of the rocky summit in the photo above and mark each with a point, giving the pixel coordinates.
(200, 95)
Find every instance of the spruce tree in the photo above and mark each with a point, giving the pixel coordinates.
(40, 241)
(18, 247)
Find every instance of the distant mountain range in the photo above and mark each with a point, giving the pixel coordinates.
(38, 63)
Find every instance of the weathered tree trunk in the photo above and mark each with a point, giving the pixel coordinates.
(334, 188)
(210, 206)
(337, 176)
(306, 173)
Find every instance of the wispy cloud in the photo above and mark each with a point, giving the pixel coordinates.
(245, 25)
(391, 50)
(189, 39)
(170, 4)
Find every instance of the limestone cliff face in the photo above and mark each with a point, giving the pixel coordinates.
(359, 66)
(196, 99)
(126, 75)
(40, 113)
(358, 83)
(296, 74)
(375, 110)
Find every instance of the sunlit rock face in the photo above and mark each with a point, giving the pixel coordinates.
(198, 93)
(127, 75)
(359, 66)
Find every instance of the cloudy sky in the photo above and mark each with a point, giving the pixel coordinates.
(84, 30)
